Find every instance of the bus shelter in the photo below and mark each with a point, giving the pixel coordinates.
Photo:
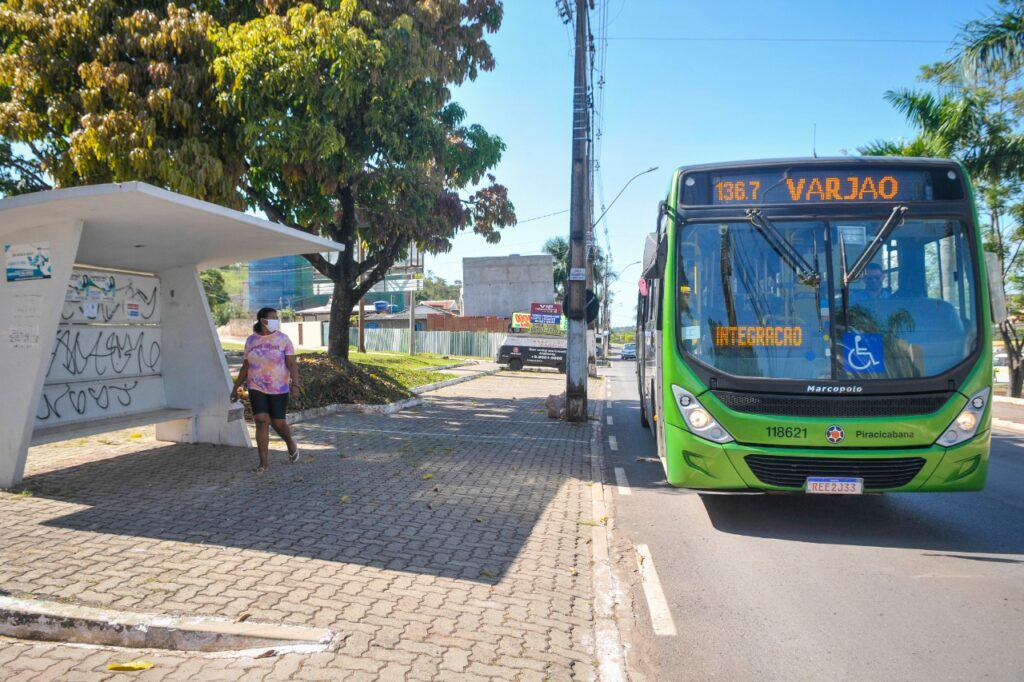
(104, 323)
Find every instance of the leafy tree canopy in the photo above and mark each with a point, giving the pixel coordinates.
(972, 110)
(334, 117)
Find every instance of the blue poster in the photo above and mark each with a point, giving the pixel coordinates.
(862, 353)
(28, 261)
(544, 318)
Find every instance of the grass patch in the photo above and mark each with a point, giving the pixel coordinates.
(372, 380)
(380, 358)
(401, 360)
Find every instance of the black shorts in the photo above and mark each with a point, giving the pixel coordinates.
(274, 404)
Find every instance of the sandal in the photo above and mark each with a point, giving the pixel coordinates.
(293, 457)
(259, 470)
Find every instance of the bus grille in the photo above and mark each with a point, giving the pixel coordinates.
(835, 407)
(792, 472)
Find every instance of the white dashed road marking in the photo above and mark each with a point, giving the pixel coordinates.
(613, 443)
(621, 482)
(611, 422)
(661, 617)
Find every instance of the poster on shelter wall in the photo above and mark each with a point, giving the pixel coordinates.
(28, 261)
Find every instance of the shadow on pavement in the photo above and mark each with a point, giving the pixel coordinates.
(453, 488)
(953, 522)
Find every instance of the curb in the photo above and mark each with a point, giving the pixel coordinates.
(441, 368)
(69, 623)
(387, 408)
(609, 650)
(339, 408)
(1007, 425)
(451, 382)
(1007, 399)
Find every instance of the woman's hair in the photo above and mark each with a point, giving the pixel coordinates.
(263, 314)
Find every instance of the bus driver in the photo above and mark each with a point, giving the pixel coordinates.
(873, 289)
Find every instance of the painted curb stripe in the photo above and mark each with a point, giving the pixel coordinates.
(621, 482)
(661, 616)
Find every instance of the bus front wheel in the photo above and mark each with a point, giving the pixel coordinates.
(515, 364)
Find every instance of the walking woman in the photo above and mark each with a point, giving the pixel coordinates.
(272, 375)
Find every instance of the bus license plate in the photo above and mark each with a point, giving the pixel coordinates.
(835, 486)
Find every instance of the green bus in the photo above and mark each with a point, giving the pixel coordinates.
(819, 326)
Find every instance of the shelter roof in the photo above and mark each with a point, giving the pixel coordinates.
(136, 226)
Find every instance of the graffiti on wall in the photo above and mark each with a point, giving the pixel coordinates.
(106, 357)
(111, 297)
(94, 351)
(78, 401)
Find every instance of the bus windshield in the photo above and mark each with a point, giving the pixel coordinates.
(745, 310)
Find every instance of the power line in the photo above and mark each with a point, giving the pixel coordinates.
(696, 39)
(546, 215)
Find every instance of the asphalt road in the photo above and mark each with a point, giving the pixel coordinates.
(880, 587)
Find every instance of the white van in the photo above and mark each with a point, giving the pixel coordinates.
(1000, 368)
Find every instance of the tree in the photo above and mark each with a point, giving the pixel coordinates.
(558, 248)
(974, 115)
(331, 117)
(108, 91)
(213, 285)
(222, 308)
(437, 289)
(993, 43)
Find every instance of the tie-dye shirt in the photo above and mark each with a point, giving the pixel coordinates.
(268, 372)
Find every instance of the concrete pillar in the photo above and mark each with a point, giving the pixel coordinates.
(29, 317)
(195, 372)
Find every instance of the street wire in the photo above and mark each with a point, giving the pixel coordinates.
(696, 39)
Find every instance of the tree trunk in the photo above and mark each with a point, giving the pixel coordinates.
(341, 312)
(1013, 346)
(1016, 381)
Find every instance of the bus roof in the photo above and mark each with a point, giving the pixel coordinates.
(910, 161)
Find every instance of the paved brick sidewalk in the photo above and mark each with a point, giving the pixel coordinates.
(447, 542)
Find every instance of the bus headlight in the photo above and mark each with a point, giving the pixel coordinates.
(699, 420)
(966, 423)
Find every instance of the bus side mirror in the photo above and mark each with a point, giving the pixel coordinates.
(995, 288)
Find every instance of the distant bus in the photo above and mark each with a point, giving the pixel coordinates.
(819, 326)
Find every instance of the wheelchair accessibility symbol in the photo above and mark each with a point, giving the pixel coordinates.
(863, 353)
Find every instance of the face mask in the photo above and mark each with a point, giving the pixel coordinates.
(273, 325)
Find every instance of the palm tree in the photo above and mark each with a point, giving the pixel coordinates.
(558, 247)
(975, 119)
(968, 124)
(996, 42)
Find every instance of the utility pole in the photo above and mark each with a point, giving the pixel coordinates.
(412, 321)
(362, 309)
(576, 360)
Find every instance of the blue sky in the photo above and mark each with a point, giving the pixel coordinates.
(747, 80)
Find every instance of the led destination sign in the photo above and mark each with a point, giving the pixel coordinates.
(735, 337)
(815, 188)
(820, 186)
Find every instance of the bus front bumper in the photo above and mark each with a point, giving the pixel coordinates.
(693, 462)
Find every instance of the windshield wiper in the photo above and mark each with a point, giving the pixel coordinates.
(807, 274)
(894, 220)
